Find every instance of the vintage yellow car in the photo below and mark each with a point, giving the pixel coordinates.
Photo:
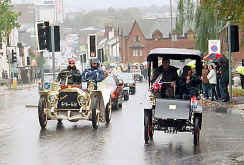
(86, 101)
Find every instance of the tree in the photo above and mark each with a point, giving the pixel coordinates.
(8, 19)
(208, 18)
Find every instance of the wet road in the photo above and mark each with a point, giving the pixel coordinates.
(23, 142)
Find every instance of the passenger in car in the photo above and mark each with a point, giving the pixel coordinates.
(183, 83)
(187, 84)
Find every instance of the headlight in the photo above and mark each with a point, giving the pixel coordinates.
(47, 85)
(91, 86)
(81, 100)
(51, 98)
(54, 86)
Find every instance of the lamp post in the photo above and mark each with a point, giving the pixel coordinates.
(171, 22)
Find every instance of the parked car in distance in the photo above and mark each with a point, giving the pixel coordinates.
(126, 90)
(128, 80)
(137, 76)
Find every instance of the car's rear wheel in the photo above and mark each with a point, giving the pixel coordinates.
(41, 113)
(60, 121)
(116, 105)
(94, 113)
(196, 131)
(126, 96)
(108, 112)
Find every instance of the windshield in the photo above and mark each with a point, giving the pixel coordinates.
(48, 77)
(126, 77)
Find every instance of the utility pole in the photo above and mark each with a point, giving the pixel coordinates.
(171, 22)
(230, 63)
(53, 51)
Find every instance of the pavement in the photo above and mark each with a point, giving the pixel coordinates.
(4, 89)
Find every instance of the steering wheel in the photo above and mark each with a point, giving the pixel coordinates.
(66, 74)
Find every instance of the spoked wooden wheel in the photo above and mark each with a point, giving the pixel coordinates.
(42, 115)
(95, 117)
(148, 131)
(196, 131)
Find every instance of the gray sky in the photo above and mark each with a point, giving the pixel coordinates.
(99, 4)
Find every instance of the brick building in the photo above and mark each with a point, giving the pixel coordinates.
(135, 45)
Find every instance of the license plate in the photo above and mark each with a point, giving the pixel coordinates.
(172, 107)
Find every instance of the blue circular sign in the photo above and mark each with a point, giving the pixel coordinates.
(214, 48)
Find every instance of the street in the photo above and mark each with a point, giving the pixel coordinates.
(122, 142)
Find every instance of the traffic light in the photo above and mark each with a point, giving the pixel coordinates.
(92, 46)
(44, 36)
(14, 57)
(83, 58)
(234, 38)
(100, 55)
(28, 61)
(57, 38)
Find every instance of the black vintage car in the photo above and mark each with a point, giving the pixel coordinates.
(172, 111)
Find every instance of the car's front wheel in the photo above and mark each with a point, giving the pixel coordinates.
(94, 113)
(108, 112)
(41, 113)
(126, 96)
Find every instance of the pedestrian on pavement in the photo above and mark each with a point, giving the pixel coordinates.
(242, 81)
(224, 81)
(205, 81)
(212, 81)
(218, 75)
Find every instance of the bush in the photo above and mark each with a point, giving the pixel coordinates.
(237, 92)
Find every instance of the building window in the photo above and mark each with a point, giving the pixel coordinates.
(140, 52)
(174, 37)
(137, 52)
(137, 38)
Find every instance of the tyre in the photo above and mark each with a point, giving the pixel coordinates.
(133, 91)
(108, 112)
(94, 113)
(151, 132)
(60, 121)
(196, 131)
(116, 105)
(126, 96)
(146, 129)
(42, 115)
(120, 105)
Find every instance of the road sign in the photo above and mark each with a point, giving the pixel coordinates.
(214, 46)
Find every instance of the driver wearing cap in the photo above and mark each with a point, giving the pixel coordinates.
(93, 73)
(75, 73)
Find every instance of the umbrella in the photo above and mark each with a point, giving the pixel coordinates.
(192, 64)
(240, 69)
(220, 60)
(212, 56)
